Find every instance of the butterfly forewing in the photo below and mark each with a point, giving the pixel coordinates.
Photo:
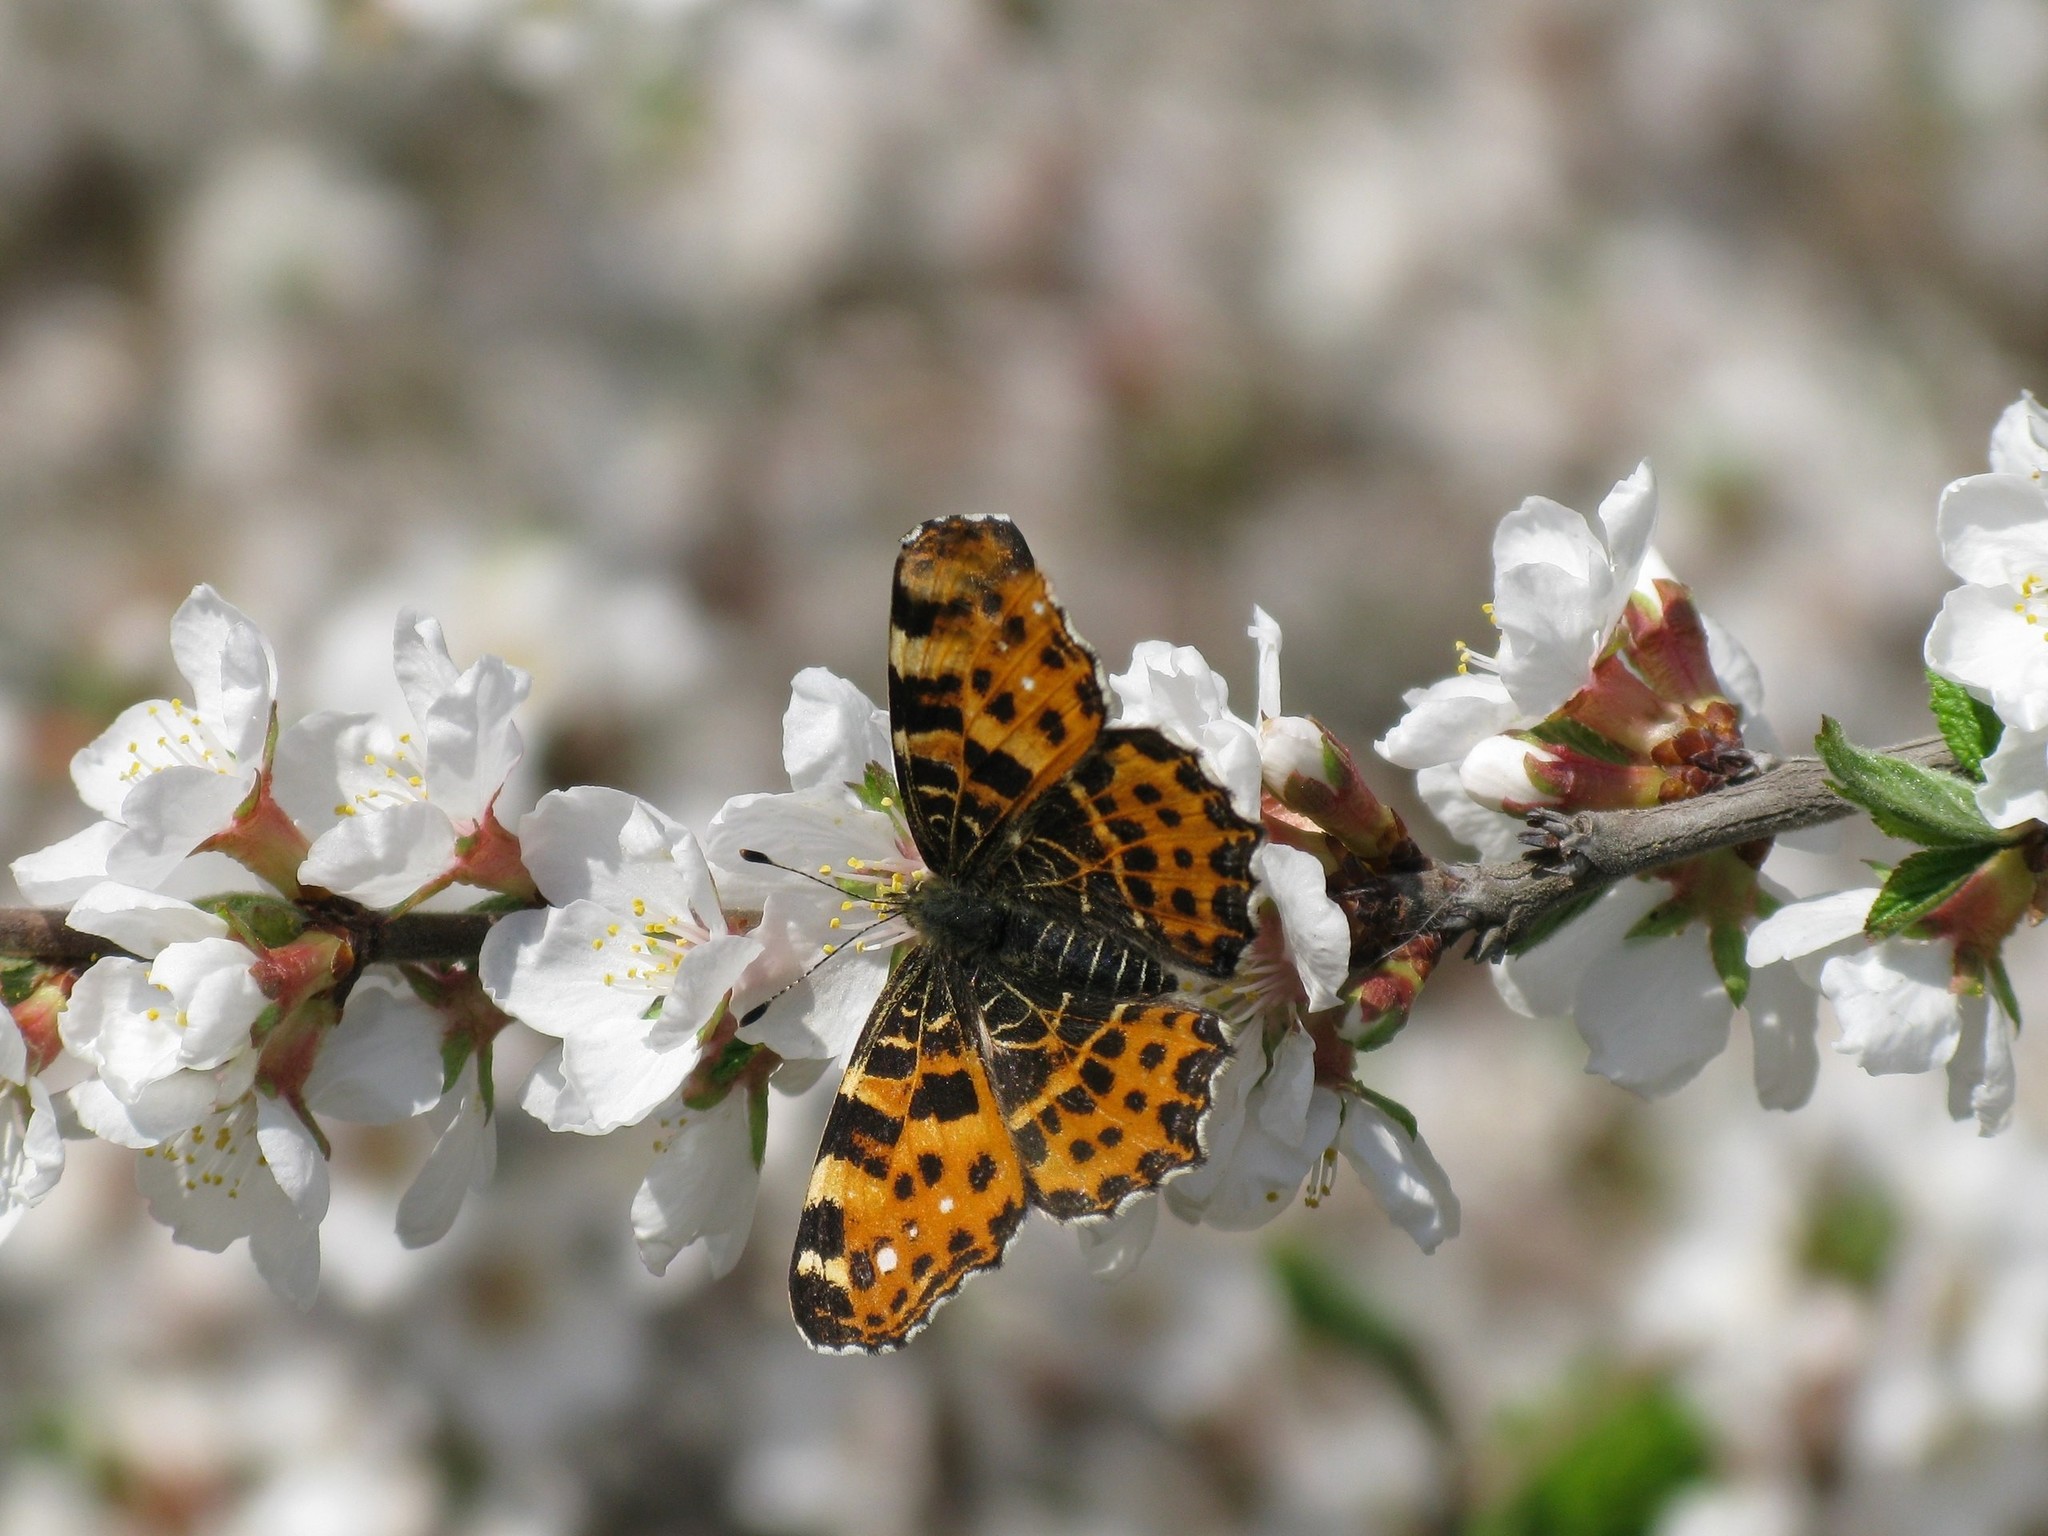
(1139, 837)
(991, 697)
(917, 1183)
(1103, 1099)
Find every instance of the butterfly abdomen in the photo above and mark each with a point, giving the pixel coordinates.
(981, 927)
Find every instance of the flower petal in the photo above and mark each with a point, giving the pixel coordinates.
(317, 767)
(1980, 641)
(171, 813)
(108, 1024)
(1981, 1079)
(419, 657)
(1446, 719)
(1317, 932)
(1894, 1005)
(140, 921)
(1784, 1027)
(472, 743)
(463, 1156)
(229, 665)
(1265, 633)
(293, 1157)
(381, 857)
(59, 874)
(1994, 529)
(1543, 983)
(805, 831)
(1496, 835)
(1802, 928)
(382, 1062)
(700, 1186)
(831, 732)
(552, 1099)
(1410, 1184)
(2015, 787)
(217, 997)
(1653, 1011)
(1112, 1246)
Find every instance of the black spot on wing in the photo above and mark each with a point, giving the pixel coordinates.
(945, 1096)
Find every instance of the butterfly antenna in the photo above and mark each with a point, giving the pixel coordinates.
(831, 950)
(756, 856)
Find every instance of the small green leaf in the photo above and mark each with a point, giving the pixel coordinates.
(486, 1088)
(1729, 945)
(455, 1049)
(18, 980)
(2000, 983)
(1920, 805)
(1329, 1310)
(1919, 883)
(1664, 919)
(268, 921)
(1398, 1112)
(1548, 924)
(1561, 731)
(1969, 725)
(757, 1123)
(877, 788)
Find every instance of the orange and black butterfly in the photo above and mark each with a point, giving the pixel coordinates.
(1027, 1050)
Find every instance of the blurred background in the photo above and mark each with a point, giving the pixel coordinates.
(628, 335)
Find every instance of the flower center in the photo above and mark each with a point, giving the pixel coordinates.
(2033, 600)
(181, 740)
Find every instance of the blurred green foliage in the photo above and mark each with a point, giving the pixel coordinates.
(1852, 1229)
(1328, 1310)
(1605, 1462)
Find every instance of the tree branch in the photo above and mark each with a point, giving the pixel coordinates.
(1503, 903)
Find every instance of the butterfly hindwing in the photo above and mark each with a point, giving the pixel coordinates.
(1139, 837)
(1103, 1099)
(917, 1183)
(991, 697)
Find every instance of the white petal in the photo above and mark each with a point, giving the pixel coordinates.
(1981, 1079)
(171, 813)
(472, 743)
(700, 1186)
(1171, 687)
(1784, 1024)
(228, 663)
(1979, 641)
(821, 1015)
(1292, 746)
(66, 870)
(1112, 1247)
(831, 732)
(218, 999)
(1628, 517)
(1446, 719)
(381, 857)
(107, 1025)
(1807, 927)
(285, 1246)
(1653, 1012)
(1264, 1171)
(1229, 1101)
(705, 975)
(13, 1051)
(1740, 677)
(1411, 1185)
(293, 1157)
(1280, 1103)
(106, 768)
(806, 830)
(462, 1158)
(602, 845)
(1496, 835)
(155, 1113)
(2019, 442)
(1894, 1005)
(1544, 983)
(553, 1100)
(382, 1063)
(419, 655)
(2015, 787)
(207, 1182)
(39, 1153)
(317, 766)
(1317, 933)
(142, 922)
(1994, 529)
(1265, 633)
(1495, 774)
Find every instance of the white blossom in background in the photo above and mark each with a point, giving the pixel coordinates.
(1897, 1002)
(463, 1158)
(169, 774)
(1992, 632)
(31, 1145)
(840, 836)
(406, 813)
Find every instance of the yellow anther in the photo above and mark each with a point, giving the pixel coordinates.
(414, 781)
(824, 869)
(639, 907)
(848, 906)
(856, 864)
(831, 949)
(597, 943)
(835, 922)
(153, 1014)
(612, 929)
(369, 757)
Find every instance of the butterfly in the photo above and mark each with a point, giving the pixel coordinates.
(1028, 1049)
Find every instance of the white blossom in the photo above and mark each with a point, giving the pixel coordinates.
(168, 774)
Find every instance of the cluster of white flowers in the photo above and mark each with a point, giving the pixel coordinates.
(682, 980)
(1653, 970)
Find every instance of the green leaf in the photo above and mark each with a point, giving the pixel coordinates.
(1561, 731)
(1729, 945)
(757, 1123)
(1919, 883)
(877, 788)
(1969, 725)
(1331, 1311)
(486, 1087)
(1556, 918)
(269, 921)
(1664, 919)
(2000, 983)
(1398, 1112)
(18, 980)
(455, 1049)
(1617, 1465)
(1918, 804)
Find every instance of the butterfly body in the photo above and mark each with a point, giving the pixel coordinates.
(1028, 1049)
